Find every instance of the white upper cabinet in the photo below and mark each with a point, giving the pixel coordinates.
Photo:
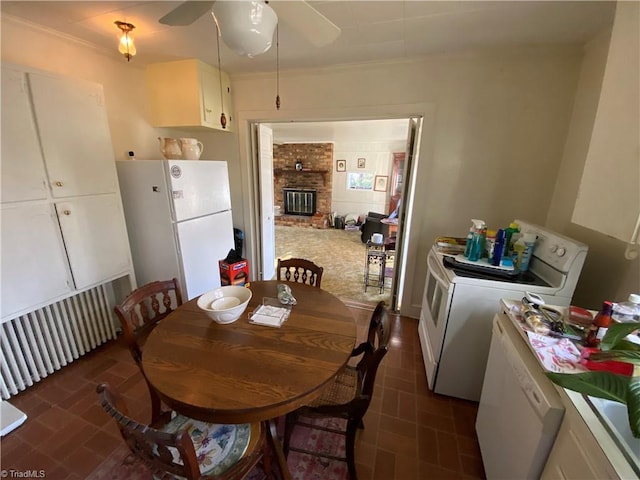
(74, 134)
(609, 196)
(187, 93)
(23, 178)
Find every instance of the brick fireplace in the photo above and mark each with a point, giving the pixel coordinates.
(315, 176)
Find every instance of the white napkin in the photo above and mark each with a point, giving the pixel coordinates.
(269, 315)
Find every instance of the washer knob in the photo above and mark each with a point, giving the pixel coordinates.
(560, 252)
(553, 248)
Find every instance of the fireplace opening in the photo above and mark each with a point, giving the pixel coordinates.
(299, 201)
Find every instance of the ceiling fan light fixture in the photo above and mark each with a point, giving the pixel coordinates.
(126, 45)
(246, 26)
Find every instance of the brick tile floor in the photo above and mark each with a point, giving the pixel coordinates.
(410, 432)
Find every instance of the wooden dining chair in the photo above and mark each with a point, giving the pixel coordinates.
(348, 396)
(299, 270)
(139, 313)
(189, 448)
(143, 308)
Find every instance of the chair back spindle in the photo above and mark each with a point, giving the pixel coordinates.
(299, 270)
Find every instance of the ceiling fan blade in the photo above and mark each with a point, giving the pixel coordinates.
(307, 21)
(186, 14)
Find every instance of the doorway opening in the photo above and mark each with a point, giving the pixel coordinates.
(379, 155)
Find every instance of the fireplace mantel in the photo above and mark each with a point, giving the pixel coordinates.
(292, 171)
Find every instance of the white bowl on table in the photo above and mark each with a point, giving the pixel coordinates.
(225, 304)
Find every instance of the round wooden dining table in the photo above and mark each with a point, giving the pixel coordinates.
(242, 372)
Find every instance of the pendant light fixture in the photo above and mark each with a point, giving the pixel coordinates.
(223, 117)
(277, 68)
(126, 46)
(246, 26)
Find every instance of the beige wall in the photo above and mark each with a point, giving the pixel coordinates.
(495, 128)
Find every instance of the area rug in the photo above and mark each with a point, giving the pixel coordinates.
(342, 255)
(122, 465)
(307, 467)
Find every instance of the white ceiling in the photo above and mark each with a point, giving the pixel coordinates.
(371, 30)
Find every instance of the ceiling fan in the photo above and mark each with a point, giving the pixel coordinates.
(247, 26)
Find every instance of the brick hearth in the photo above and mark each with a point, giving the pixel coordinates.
(317, 221)
(317, 161)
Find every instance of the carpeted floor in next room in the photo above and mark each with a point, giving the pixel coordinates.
(342, 255)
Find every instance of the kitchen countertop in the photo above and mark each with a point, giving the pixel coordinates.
(625, 467)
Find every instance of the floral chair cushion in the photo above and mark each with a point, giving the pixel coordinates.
(217, 446)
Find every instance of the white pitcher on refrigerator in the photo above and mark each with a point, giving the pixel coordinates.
(191, 148)
(170, 148)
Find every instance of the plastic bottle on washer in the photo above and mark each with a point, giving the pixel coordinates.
(498, 248)
(628, 311)
(600, 325)
(477, 241)
(524, 246)
(490, 244)
(467, 247)
(512, 229)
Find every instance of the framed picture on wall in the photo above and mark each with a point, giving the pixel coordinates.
(341, 165)
(380, 183)
(362, 162)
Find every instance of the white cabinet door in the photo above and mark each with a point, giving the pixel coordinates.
(227, 98)
(609, 196)
(34, 266)
(74, 133)
(23, 175)
(212, 96)
(576, 455)
(95, 237)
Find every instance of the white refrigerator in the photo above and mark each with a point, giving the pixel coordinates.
(179, 222)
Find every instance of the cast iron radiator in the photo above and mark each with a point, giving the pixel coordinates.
(40, 342)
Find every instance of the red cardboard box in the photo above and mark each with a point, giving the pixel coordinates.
(236, 273)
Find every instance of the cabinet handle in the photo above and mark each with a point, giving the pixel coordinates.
(67, 212)
(58, 184)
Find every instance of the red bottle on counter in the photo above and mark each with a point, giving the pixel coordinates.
(602, 320)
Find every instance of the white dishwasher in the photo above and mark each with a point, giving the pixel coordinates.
(520, 411)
